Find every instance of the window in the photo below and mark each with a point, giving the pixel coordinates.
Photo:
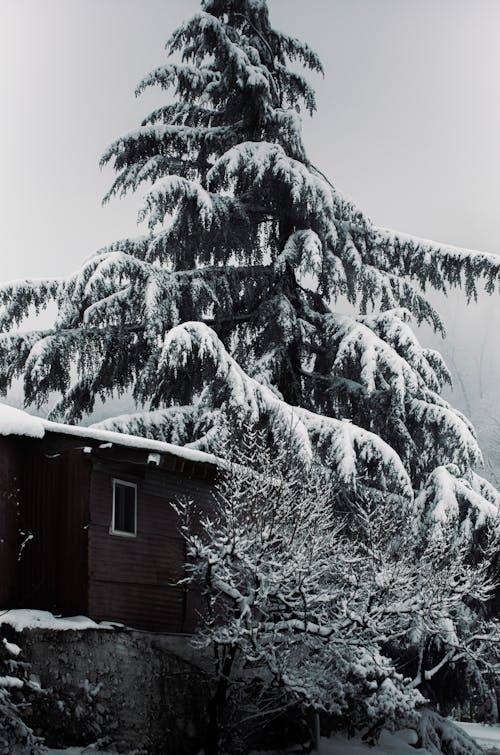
(124, 520)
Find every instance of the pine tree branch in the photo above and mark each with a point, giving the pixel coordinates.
(336, 381)
(322, 175)
(260, 36)
(236, 318)
(121, 329)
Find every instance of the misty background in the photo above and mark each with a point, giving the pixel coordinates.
(408, 125)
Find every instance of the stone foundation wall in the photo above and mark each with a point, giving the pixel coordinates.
(123, 689)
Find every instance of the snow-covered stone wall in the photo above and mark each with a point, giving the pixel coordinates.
(119, 688)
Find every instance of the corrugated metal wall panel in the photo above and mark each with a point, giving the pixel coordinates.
(53, 568)
(9, 510)
(73, 524)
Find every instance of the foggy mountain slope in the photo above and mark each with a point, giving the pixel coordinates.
(471, 351)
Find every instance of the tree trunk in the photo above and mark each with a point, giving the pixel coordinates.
(217, 704)
(315, 730)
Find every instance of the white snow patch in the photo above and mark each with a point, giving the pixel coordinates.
(11, 647)
(486, 736)
(10, 681)
(16, 422)
(25, 618)
(403, 742)
(400, 743)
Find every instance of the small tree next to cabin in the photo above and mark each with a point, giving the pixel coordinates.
(308, 605)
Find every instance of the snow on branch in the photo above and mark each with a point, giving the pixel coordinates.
(174, 424)
(303, 250)
(447, 495)
(349, 449)
(294, 49)
(188, 78)
(278, 566)
(485, 489)
(439, 265)
(206, 32)
(393, 327)
(360, 351)
(147, 169)
(195, 341)
(266, 164)
(168, 193)
(17, 297)
(294, 585)
(444, 428)
(384, 289)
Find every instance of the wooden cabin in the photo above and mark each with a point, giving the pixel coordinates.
(87, 526)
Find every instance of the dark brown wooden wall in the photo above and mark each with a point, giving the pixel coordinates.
(9, 509)
(53, 567)
(132, 579)
(72, 565)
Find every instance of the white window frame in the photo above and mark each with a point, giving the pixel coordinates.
(112, 530)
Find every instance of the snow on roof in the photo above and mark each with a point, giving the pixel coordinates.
(17, 422)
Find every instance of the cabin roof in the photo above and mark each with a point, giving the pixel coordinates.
(19, 423)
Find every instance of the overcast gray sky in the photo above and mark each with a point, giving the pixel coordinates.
(408, 117)
(408, 123)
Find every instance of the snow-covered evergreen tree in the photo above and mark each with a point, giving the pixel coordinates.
(249, 246)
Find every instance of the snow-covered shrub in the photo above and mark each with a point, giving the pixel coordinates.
(278, 574)
(15, 692)
(308, 588)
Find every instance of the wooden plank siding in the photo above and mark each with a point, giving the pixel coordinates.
(55, 498)
(9, 512)
(59, 489)
(133, 579)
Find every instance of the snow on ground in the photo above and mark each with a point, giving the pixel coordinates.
(400, 743)
(25, 618)
(389, 744)
(488, 737)
(78, 751)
